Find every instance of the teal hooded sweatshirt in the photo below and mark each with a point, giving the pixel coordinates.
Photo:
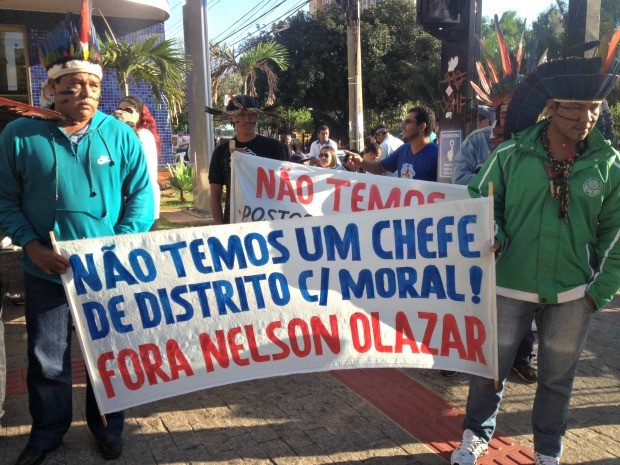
(97, 187)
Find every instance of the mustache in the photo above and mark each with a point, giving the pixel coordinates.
(94, 99)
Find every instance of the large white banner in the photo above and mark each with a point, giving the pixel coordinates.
(265, 189)
(170, 312)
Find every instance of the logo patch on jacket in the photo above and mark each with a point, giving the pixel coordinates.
(593, 187)
(103, 159)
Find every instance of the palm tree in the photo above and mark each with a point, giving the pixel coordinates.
(255, 60)
(159, 63)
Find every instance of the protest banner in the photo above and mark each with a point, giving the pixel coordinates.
(264, 189)
(169, 312)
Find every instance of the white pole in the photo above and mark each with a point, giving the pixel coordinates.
(195, 29)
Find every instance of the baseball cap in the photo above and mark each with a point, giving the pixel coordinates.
(486, 112)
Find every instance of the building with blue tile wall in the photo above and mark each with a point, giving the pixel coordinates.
(38, 25)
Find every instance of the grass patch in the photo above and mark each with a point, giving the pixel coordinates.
(171, 199)
(163, 225)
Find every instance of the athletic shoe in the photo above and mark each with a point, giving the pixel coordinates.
(470, 449)
(546, 460)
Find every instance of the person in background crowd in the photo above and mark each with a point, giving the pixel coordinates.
(244, 111)
(556, 187)
(474, 151)
(328, 158)
(138, 113)
(323, 140)
(388, 143)
(486, 116)
(288, 145)
(83, 176)
(369, 140)
(298, 155)
(417, 158)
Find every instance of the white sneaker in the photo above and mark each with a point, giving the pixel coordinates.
(470, 449)
(546, 460)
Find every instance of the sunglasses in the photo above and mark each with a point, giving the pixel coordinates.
(324, 155)
(129, 110)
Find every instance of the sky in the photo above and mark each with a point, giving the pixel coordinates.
(224, 15)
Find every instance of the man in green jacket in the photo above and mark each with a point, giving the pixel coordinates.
(83, 177)
(556, 187)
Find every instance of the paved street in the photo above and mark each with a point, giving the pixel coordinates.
(315, 419)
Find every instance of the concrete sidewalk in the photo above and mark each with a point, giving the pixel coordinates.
(316, 419)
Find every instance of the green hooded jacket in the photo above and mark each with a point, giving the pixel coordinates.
(543, 259)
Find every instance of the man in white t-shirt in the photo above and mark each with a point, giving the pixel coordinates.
(324, 140)
(387, 142)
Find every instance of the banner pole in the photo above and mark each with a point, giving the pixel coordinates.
(495, 350)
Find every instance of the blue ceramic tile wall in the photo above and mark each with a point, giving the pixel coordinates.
(38, 25)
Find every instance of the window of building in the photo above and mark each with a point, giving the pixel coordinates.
(14, 82)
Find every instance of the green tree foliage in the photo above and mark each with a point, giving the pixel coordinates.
(400, 63)
(260, 59)
(159, 63)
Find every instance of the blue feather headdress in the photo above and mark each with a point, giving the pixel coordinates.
(73, 47)
(570, 79)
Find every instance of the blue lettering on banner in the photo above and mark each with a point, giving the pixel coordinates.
(401, 282)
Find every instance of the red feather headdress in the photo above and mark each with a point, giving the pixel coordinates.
(494, 88)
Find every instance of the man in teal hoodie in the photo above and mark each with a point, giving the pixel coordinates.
(83, 177)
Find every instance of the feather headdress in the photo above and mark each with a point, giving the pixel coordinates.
(241, 103)
(22, 109)
(570, 79)
(73, 46)
(494, 88)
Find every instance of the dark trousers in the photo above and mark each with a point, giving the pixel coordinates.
(525, 352)
(48, 324)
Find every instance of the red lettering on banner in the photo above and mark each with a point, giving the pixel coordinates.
(303, 339)
(365, 335)
(319, 331)
(176, 360)
(286, 189)
(303, 192)
(357, 197)
(145, 364)
(209, 348)
(433, 196)
(475, 334)
(271, 335)
(404, 335)
(338, 184)
(376, 202)
(451, 338)
(426, 348)
(122, 358)
(254, 353)
(376, 332)
(305, 180)
(300, 351)
(235, 348)
(152, 362)
(419, 196)
(106, 374)
(265, 179)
